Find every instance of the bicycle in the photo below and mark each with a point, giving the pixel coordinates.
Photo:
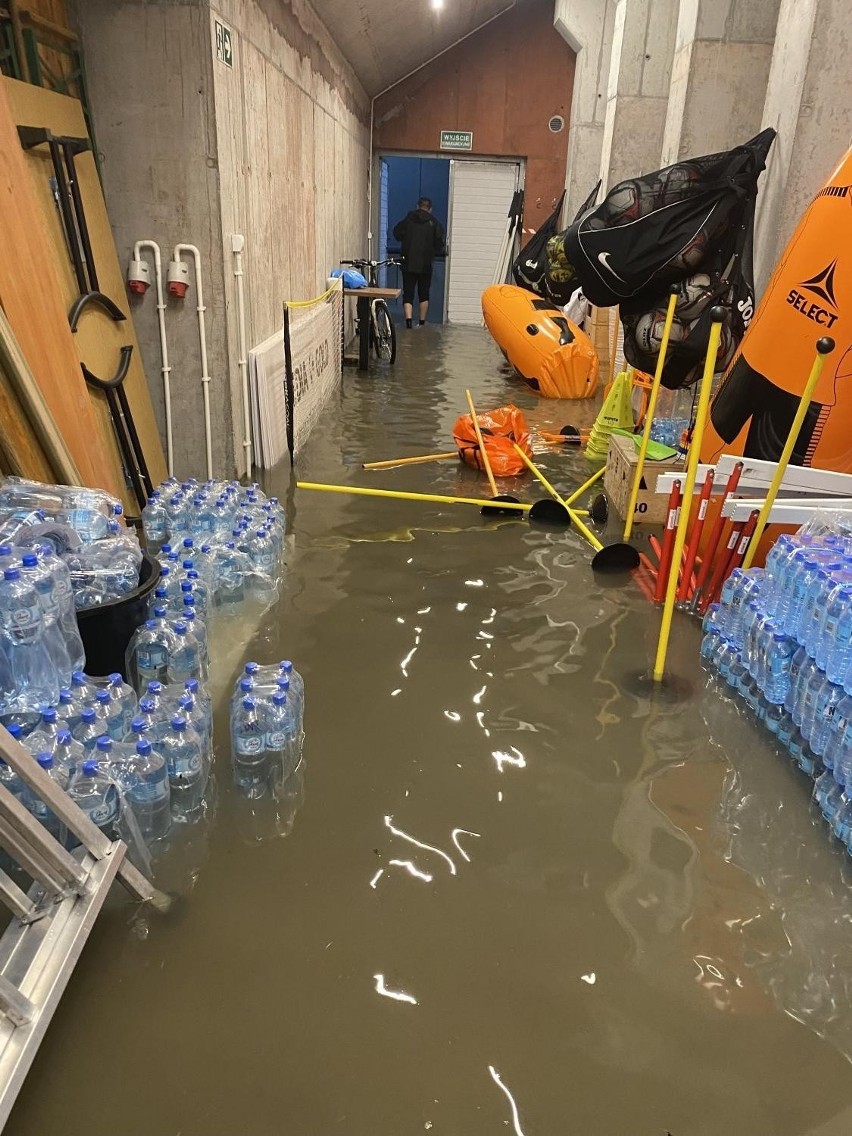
(382, 329)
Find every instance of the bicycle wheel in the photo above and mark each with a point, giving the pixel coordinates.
(385, 339)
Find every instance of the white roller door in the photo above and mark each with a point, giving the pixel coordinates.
(481, 193)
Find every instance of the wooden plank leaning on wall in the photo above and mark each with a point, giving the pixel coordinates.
(36, 310)
(98, 340)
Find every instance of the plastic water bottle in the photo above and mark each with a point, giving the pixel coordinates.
(96, 793)
(249, 749)
(775, 560)
(729, 603)
(52, 582)
(34, 678)
(232, 568)
(807, 671)
(188, 708)
(69, 754)
(828, 699)
(149, 792)
(182, 748)
(35, 805)
(197, 627)
(818, 571)
(185, 659)
(170, 582)
(123, 698)
(178, 517)
(149, 653)
(750, 626)
(155, 522)
(88, 730)
(192, 588)
(173, 701)
(838, 651)
(810, 695)
(282, 740)
(109, 715)
(777, 650)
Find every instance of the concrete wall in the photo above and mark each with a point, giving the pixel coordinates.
(150, 81)
(274, 147)
(292, 124)
(504, 84)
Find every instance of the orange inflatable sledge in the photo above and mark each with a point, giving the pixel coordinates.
(548, 351)
(501, 428)
(809, 295)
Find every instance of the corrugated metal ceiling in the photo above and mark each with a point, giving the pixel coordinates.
(386, 39)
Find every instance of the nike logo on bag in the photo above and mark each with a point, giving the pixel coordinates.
(603, 257)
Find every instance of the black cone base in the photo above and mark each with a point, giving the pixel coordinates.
(599, 509)
(495, 510)
(615, 558)
(549, 512)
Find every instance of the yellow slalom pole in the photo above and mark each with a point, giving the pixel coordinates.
(718, 315)
(359, 491)
(575, 520)
(650, 410)
(392, 462)
(586, 485)
(824, 347)
(485, 462)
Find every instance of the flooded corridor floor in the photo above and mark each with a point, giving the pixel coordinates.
(516, 897)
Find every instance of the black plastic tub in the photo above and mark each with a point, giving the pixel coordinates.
(106, 630)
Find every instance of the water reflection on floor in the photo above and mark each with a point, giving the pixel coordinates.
(517, 896)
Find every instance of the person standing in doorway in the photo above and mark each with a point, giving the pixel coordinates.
(421, 237)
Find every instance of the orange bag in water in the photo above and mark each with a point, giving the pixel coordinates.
(500, 429)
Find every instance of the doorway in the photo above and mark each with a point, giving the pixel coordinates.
(402, 182)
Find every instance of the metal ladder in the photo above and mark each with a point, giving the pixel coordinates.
(53, 919)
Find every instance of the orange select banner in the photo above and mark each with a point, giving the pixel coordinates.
(809, 295)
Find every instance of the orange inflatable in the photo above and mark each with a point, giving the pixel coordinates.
(548, 351)
(809, 295)
(500, 429)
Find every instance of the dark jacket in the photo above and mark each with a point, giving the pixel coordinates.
(421, 237)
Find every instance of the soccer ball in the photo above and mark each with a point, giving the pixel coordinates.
(692, 254)
(693, 296)
(676, 184)
(623, 204)
(648, 332)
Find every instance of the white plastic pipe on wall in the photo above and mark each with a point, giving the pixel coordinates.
(238, 242)
(164, 347)
(202, 338)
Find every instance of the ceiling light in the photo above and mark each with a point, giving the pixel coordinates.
(437, 5)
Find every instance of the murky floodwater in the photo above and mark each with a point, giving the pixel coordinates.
(515, 896)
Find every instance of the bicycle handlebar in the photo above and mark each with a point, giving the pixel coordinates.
(370, 263)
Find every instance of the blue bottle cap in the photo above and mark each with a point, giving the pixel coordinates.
(103, 696)
(206, 548)
(48, 715)
(186, 585)
(248, 704)
(188, 565)
(279, 697)
(89, 768)
(283, 683)
(143, 747)
(191, 685)
(188, 542)
(11, 573)
(45, 760)
(104, 744)
(64, 737)
(147, 705)
(246, 685)
(29, 560)
(229, 545)
(251, 668)
(286, 666)
(193, 575)
(137, 725)
(78, 678)
(150, 623)
(180, 627)
(88, 715)
(155, 687)
(165, 570)
(187, 702)
(115, 679)
(160, 612)
(65, 696)
(173, 557)
(178, 723)
(15, 730)
(165, 548)
(5, 550)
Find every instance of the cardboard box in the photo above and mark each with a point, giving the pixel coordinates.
(618, 481)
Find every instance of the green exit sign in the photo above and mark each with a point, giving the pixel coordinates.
(224, 44)
(456, 139)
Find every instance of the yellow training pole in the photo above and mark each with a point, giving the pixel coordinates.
(575, 520)
(649, 414)
(359, 491)
(824, 347)
(688, 489)
(586, 485)
(485, 460)
(392, 462)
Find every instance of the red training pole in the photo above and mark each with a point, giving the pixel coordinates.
(695, 537)
(672, 517)
(720, 571)
(716, 531)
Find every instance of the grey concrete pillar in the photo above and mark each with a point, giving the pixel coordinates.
(723, 50)
(587, 27)
(638, 90)
(809, 102)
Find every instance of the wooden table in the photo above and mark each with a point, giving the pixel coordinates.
(363, 297)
